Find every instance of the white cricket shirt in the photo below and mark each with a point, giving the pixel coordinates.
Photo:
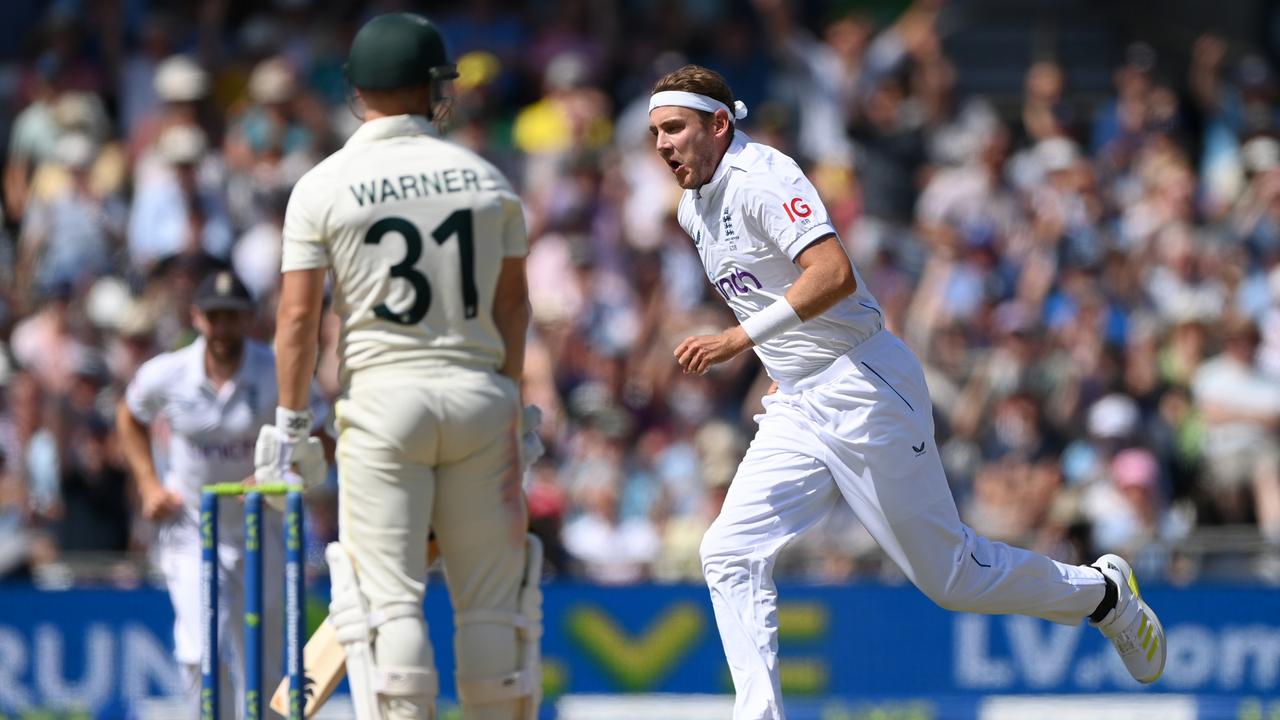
(749, 223)
(211, 432)
(415, 230)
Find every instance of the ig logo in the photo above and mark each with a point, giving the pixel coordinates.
(797, 208)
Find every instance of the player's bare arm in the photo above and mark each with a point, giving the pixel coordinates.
(826, 278)
(158, 502)
(298, 334)
(511, 315)
(287, 448)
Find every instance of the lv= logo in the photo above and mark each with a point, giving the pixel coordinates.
(638, 662)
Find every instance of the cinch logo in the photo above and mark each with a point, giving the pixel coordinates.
(735, 283)
(797, 208)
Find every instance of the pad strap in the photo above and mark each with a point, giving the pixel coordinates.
(407, 682)
(493, 617)
(392, 611)
(511, 686)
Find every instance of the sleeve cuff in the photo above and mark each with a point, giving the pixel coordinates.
(810, 236)
(303, 255)
(138, 412)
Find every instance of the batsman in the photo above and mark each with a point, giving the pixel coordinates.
(424, 244)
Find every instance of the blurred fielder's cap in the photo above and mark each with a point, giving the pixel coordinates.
(180, 79)
(222, 290)
(138, 322)
(398, 50)
(82, 112)
(566, 71)
(1113, 416)
(108, 302)
(1057, 153)
(75, 151)
(1260, 154)
(272, 81)
(1134, 468)
(182, 144)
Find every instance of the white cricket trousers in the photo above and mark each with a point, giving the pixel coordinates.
(178, 553)
(860, 431)
(435, 450)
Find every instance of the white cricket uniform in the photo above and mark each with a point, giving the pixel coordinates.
(211, 440)
(414, 231)
(852, 420)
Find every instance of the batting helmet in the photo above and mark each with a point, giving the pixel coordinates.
(398, 50)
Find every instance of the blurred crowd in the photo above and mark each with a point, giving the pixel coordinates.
(1094, 287)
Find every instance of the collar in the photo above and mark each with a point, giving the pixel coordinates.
(392, 126)
(733, 158)
(198, 348)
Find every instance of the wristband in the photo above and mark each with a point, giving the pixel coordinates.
(771, 322)
(295, 424)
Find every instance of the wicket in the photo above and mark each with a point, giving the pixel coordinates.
(293, 595)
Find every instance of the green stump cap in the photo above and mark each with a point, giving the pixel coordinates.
(397, 50)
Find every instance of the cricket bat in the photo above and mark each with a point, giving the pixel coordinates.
(324, 664)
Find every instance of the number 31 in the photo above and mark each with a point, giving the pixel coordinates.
(459, 223)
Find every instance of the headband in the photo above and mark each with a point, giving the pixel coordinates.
(696, 101)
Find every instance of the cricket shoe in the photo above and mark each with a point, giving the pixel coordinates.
(1131, 626)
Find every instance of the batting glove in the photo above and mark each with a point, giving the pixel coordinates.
(286, 450)
(531, 447)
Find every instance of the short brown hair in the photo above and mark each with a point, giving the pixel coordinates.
(698, 79)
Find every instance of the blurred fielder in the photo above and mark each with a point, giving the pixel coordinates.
(215, 395)
(425, 243)
(851, 418)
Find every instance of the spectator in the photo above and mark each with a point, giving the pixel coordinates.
(1124, 509)
(182, 214)
(74, 236)
(94, 493)
(272, 143)
(611, 551)
(34, 134)
(1063, 263)
(1241, 408)
(181, 86)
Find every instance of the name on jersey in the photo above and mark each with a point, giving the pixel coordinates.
(405, 187)
(735, 283)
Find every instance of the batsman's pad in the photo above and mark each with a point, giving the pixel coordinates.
(356, 628)
(526, 682)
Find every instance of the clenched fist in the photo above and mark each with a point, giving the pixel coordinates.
(698, 353)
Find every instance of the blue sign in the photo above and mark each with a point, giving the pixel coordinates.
(100, 651)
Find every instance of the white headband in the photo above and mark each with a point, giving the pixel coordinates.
(696, 101)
